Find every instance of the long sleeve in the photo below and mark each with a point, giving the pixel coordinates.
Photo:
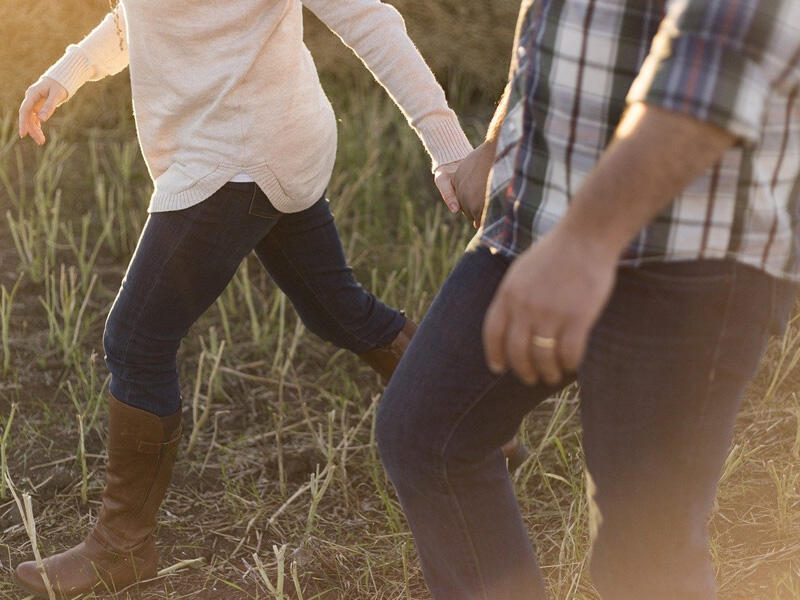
(720, 61)
(103, 52)
(376, 33)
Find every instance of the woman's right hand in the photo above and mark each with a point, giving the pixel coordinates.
(41, 100)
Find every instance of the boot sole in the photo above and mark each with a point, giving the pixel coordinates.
(31, 591)
(99, 589)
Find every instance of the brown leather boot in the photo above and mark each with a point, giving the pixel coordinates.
(384, 361)
(120, 550)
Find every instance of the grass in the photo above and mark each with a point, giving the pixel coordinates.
(278, 491)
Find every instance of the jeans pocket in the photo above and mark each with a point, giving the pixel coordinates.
(679, 303)
(694, 273)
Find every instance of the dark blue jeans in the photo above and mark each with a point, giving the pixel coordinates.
(183, 261)
(659, 390)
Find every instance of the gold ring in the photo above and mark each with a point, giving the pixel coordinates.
(541, 341)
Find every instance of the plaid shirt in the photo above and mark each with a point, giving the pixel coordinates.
(733, 63)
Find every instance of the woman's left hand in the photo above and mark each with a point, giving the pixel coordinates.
(41, 100)
(443, 178)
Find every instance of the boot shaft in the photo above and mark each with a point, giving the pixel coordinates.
(141, 452)
(384, 360)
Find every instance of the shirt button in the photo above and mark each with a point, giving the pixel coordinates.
(521, 52)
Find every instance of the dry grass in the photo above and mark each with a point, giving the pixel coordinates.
(282, 476)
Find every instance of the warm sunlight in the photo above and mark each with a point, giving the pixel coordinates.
(355, 300)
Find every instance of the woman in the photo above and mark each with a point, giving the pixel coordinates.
(240, 140)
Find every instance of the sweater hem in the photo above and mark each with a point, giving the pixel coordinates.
(162, 201)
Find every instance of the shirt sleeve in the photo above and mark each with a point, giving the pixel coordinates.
(720, 61)
(103, 52)
(377, 34)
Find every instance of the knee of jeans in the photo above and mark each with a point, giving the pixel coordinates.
(388, 433)
(404, 448)
(130, 353)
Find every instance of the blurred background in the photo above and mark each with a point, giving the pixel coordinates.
(467, 42)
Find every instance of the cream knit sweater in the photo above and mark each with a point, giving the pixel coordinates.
(222, 88)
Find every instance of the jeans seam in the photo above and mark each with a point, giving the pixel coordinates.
(137, 317)
(317, 298)
(454, 497)
(716, 354)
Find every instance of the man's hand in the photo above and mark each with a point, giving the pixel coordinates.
(539, 321)
(41, 100)
(470, 181)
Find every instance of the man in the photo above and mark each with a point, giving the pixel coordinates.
(640, 236)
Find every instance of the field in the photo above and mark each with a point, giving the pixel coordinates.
(278, 492)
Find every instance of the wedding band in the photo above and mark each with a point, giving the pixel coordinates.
(541, 341)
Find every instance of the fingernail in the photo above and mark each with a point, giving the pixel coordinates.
(42, 115)
(495, 368)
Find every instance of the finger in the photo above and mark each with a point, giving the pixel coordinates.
(545, 357)
(25, 110)
(572, 346)
(22, 127)
(468, 213)
(445, 186)
(49, 106)
(36, 132)
(35, 124)
(464, 205)
(29, 123)
(518, 353)
(494, 331)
